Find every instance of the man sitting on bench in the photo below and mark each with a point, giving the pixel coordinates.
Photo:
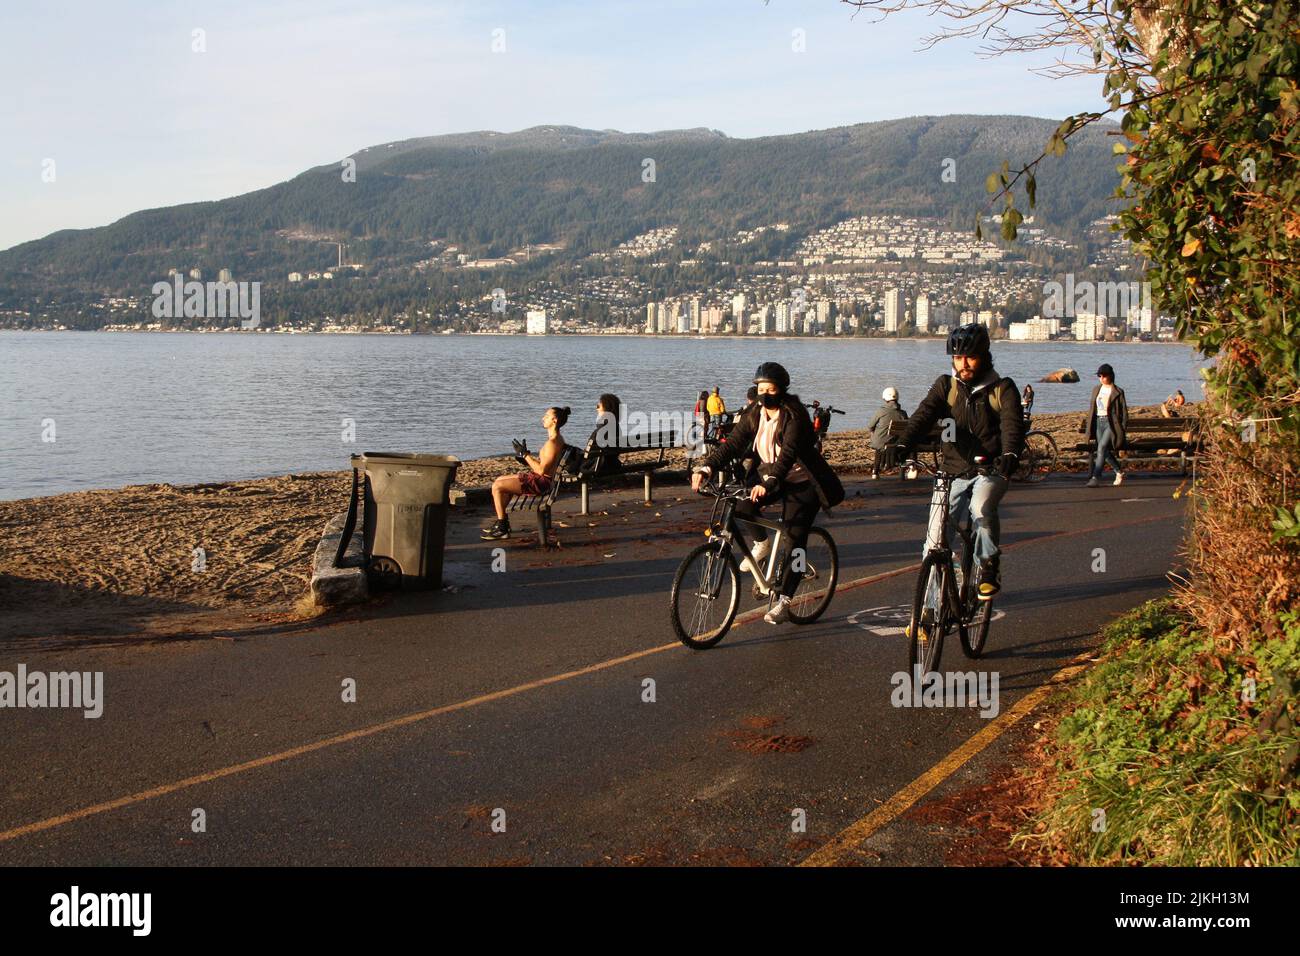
(536, 481)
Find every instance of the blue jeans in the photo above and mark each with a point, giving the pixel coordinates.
(1105, 449)
(977, 498)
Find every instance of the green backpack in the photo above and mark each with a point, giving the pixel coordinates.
(995, 393)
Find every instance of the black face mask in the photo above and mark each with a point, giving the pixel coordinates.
(769, 400)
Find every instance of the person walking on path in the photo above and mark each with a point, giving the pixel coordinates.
(889, 413)
(1107, 423)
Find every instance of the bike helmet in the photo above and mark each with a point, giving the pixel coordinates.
(774, 373)
(970, 339)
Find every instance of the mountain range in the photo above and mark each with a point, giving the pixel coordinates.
(489, 192)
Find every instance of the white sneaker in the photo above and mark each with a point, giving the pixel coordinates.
(1092, 482)
(761, 551)
(1119, 477)
(780, 611)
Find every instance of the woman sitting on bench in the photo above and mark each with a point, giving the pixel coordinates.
(606, 436)
(535, 481)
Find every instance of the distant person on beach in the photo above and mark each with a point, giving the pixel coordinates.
(607, 431)
(716, 408)
(1172, 407)
(1107, 422)
(889, 413)
(1027, 399)
(702, 412)
(537, 480)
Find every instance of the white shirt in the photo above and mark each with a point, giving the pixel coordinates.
(765, 440)
(1103, 399)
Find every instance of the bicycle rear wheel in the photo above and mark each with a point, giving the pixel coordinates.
(705, 595)
(820, 567)
(931, 618)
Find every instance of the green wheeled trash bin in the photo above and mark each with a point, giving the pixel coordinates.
(406, 502)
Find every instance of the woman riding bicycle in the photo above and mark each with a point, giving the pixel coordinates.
(778, 431)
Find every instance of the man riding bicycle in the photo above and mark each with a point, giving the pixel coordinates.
(980, 416)
(777, 430)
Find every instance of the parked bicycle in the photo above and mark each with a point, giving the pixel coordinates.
(821, 419)
(1039, 457)
(706, 589)
(946, 594)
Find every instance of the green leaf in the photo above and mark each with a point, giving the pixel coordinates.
(1031, 187)
(992, 184)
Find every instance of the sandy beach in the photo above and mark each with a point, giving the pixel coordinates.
(121, 565)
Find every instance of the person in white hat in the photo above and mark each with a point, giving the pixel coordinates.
(889, 413)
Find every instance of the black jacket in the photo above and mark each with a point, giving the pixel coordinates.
(979, 429)
(798, 445)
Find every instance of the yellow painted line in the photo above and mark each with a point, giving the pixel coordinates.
(269, 759)
(855, 834)
(283, 755)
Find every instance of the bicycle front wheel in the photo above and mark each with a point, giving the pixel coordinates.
(1039, 459)
(930, 619)
(706, 594)
(819, 570)
(975, 630)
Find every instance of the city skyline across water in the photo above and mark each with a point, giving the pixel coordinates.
(184, 407)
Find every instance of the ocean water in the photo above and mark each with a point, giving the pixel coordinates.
(126, 408)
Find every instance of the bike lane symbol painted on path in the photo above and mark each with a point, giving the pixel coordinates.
(891, 619)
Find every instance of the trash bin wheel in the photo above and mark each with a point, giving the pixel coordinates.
(385, 574)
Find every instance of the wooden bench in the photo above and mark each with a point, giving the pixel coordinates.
(1153, 438)
(578, 466)
(660, 441)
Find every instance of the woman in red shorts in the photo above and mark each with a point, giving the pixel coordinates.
(535, 481)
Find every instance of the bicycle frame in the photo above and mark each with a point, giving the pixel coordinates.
(943, 549)
(729, 530)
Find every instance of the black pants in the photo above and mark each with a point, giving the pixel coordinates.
(800, 506)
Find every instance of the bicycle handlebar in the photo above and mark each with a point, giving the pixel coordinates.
(979, 469)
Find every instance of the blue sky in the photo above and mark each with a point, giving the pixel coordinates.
(134, 118)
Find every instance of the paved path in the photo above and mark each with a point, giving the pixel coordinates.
(524, 692)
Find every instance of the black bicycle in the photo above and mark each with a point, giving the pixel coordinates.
(947, 593)
(1039, 458)
(706, 588)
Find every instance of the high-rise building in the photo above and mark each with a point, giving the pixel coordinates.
(225, 275)
(923, 313)
(782, 318)
(651, 317)
(695, 315)
(1089, 326)
(537, 322)
(895, 306)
